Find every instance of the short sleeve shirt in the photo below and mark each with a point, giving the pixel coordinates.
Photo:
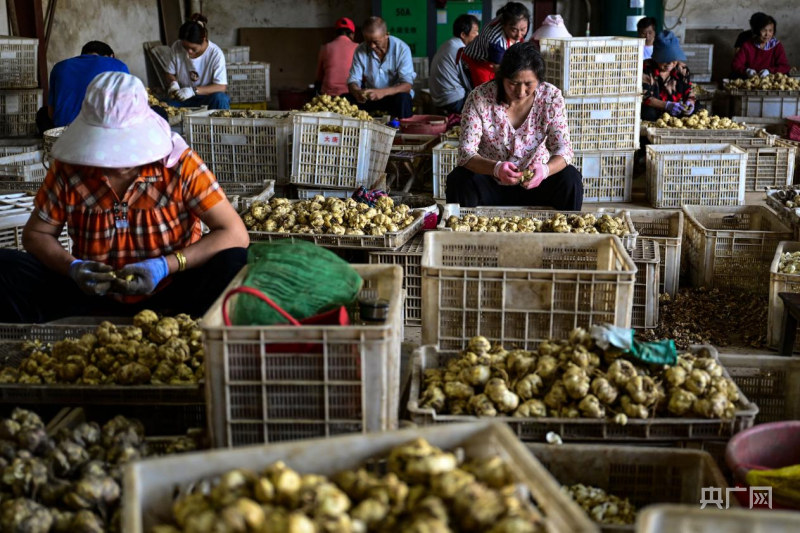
(487, 131)
(205, 70)
(158, 215)
(370, 72)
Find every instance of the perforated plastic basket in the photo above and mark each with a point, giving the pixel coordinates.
(308, 194)
(692, 519)
(15, 210)
(699, 59)
(607, 176)
(695, 174)
(643, 475)
(150, 486)
(409, 257)
(258, 391)
(248, 82)
(49, 139)
(586, 66)
(354, 155)
(27, 166)
(521, 289)
(19, 58)
(655, 135)
(767, 104)
(731, 247)
(664, 429)
(18, 112)
(629, 241)
(645, 291)
(245, 150)
(19, 146)
(770, 381)
(236, 54)
(421, 68)
(445, 159)
(788, 215)
(778, 283)
(604, 122)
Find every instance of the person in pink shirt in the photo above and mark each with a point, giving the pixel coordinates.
(335, 59)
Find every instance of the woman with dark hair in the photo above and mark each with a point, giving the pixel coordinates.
(197, 72)
(514, 147)
(763, 54)
(484, 54)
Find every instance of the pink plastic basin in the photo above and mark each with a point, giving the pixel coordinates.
(424, 124)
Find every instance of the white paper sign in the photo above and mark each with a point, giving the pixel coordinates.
(441, 16)
(601, 115)
(330, 139)
(12, 105)
(8, 55)
(591, 167)
(233, 139)
(605, 58)
(702, 171)
(239, 77)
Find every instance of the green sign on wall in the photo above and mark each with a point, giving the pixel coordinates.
(408, 20)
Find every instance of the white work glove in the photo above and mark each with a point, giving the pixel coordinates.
(764, 73)
(750, 72)
(174, 87)
(184, 94)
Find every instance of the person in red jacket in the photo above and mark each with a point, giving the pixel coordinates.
(763, 54)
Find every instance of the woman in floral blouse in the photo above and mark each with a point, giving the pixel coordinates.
(513, 124)
(666, 80)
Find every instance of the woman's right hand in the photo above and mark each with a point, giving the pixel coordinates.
(507, 172)
(174, 87)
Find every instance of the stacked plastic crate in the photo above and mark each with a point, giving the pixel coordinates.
(20, 99)
(601, 79)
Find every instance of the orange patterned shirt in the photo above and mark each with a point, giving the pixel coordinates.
(158, 215)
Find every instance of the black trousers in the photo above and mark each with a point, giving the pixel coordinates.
(32, 293)
(397, 105)
(563, 191)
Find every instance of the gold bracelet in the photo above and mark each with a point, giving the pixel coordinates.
(181, 261)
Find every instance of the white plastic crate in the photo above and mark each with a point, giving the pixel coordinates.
(521, 289)
(347, 159)
(665, 228)
(778, 283)
(308, 194)
(529, 429)
(731, 247)
(645, 291)
(409, 257)
(19, 146)
(18, 110)
(766, 104)
(657, 135)
(27, 166)
(788, 215)
(15, 210)
(150, 485)
(587, 66)
(236, 54)
(770, 381)
(692, 519)
(49, 139)
(607, 176)
(248, 82)
(421, 68)
(699, 59)
(604, 122)
(695, 174)
(19, 58)
(262, 389)
(246, 150)
(445, 159)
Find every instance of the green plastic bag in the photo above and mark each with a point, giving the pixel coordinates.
(785, 482)
(661, 352)
(302, 278)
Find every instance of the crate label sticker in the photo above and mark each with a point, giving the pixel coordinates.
(239, 77)
(688, 53)
(8, 55)
(702, 171)
(605, 58)
(12, 105)
(601, 115)
(591, 167)
(330, 139)
(233, 139)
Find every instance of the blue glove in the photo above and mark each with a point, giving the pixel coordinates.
(92, 277)
(688, 107)
(674, 108)
(146, 276)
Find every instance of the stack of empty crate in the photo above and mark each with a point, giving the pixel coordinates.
(20, 98)
(248, 81)
(600, 79)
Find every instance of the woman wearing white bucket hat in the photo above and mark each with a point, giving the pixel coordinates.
(552, 28)
(133, 196)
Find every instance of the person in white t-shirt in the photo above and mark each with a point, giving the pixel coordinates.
(647, 28)
(197, 72)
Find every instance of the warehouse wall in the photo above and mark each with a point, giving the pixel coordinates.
(225, 17)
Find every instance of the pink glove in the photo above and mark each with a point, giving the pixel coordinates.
(507, 173)
(540, 173)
